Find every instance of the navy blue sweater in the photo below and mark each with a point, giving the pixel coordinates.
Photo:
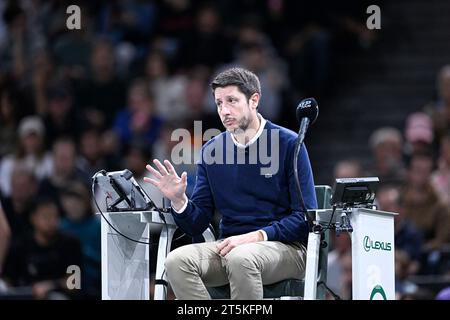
(248, 190)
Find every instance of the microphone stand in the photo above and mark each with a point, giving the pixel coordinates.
(301, 136)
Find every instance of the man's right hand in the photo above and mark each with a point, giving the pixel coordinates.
(169, 183)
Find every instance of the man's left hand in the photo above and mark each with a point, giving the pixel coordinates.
(230, 243)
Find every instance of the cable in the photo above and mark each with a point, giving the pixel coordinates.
(161, 215)
(331, 219)
(297, 182)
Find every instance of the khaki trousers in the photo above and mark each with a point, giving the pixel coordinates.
(246, 268)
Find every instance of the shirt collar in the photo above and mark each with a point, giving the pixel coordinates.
(262, 124)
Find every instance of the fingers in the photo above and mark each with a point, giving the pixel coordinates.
(170, 167)
(223, 247)
(161, 168)
(152, 181)
(225, 251)
(153, 171)
(184, 177)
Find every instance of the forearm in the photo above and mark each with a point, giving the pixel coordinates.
(194, 219)
(291, 228)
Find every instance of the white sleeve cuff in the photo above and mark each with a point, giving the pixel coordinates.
(264, 234)
(186, 200)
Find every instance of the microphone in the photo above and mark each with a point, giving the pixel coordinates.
(307, 112)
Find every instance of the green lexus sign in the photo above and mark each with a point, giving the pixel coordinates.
(378, 290)
(376, 245)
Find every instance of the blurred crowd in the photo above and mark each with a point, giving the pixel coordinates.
(109, 95)
(413, 166)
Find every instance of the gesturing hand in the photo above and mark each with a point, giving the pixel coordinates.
(168, 182)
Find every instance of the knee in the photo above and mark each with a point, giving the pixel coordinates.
(238, 259)
(174, 260)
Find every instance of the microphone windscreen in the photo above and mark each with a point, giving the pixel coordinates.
(307, 108)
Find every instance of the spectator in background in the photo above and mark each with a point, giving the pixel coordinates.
(14, 56)
(30, 153)
(208, 33)
(8, 121)
(138, 120)
(387, 147)
(168, 91)
(418, 134)
(131, 21)
(336, 279)
(40, 260)
(255, 52)
(64, 170)
(440, 179)
(80, 222)
(424, 209)
(102, 94)
(166, 145)
(137, 155)
(407, 237)
(17, 207)
(91, 158)
(62, 118)
(403, 286)
(440, 110)
(44, 72)
(72, 49)
(349, 168)
(347, 277)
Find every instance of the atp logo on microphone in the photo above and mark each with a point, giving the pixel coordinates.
(305, 104)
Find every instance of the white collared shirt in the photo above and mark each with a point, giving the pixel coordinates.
(257, 135)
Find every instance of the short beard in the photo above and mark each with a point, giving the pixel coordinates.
(243, 125)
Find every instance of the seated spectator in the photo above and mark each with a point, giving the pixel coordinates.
(18, 206)
(440, 179)
(422, 205)
(440, 110)
(137, 155)
(403, 286)
(168, 90)
(40, 260)
(62, 118)
(407, 237)
(337, 260)
(8, 121)
(64, 170)
(418, 134)
(426, 211)
(138, 120)
(387, 145)
(102, 94)
(81, 223)
(91, 158)
(349, 168)
(30, 153)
